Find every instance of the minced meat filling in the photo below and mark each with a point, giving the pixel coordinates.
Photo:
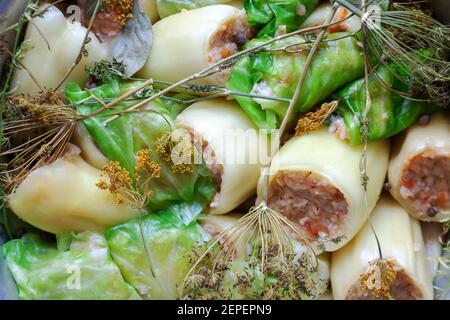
(402, 288)
(310, 201)
(426, 182)
(227, 41)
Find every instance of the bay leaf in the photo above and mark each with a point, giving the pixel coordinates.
(132, 46)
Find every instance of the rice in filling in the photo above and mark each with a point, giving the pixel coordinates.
(426, 183)
(232, 35)
(310, 201)
(402, 288)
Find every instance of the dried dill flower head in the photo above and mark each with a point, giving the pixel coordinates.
(118, 181)
(378, 278)
(36, 131)
(292, 277)
(312, 121)
(179, 151)
(47, 107)
(122, 10)
(415, 41)
(146, 170)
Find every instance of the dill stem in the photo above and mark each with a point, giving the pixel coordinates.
(216, 91)
(365, 129)
(144, 243)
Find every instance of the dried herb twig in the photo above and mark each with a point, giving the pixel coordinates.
(214, 68)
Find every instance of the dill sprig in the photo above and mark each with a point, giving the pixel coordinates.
(134, 192)
(104, 70)
(122, 10)
(179, 151)
(281, 255)
(5, 88)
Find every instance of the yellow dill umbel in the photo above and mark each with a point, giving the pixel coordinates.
(183, 149)
(311, 121)
(146, 170)
(121, 10)
(378, 278)
(118, 181)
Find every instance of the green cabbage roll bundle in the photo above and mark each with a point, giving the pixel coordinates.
(394, 107)
(79, 267)
(337, 62)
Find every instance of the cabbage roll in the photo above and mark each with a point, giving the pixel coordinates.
(336, 63)
(189, 185)
(155, 255)
(390, 112)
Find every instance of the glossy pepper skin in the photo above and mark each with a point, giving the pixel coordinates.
(337, 62)
(268, 15)
(390, 112)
